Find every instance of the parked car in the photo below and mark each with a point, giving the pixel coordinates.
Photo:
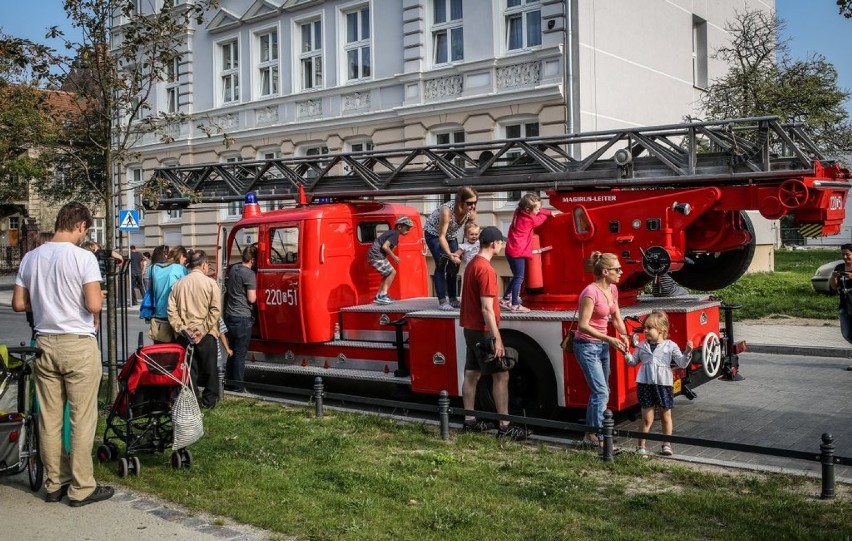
(822, 276)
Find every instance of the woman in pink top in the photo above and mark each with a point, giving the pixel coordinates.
(598, 305)
(527, 217)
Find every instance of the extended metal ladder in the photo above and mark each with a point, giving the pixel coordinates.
(729, 152)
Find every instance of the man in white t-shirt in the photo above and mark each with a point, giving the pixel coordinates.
(61, 284)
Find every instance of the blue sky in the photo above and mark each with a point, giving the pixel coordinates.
(813, 26)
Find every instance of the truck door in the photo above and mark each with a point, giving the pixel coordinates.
(228, 256)
(279, 288)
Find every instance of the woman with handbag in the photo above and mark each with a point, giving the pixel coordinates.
(163, 277)
(598, 305)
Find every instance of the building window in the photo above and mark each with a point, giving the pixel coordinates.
(14, 222)
(699, 52)
(310, 54)
(522, 130)
(268, 65)
(357, 44)
(523, 24)
(230, 76)
(361, 146)
(447, 31)
(172, 84)
(134, 198)
(235, 208)
(449, 138)
(316, 150)
(96, 232)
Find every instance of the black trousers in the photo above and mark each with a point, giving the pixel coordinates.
(204, 371)
(136, 283)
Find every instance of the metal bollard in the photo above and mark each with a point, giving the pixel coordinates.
(826, 449)
(444, 414)
(318, 392)
(608, 426)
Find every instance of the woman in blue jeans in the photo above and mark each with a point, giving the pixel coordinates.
(598, 305)
(441, 235)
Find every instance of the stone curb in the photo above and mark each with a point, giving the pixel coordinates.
(806, 351)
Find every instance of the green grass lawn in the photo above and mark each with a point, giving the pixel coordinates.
(348, 477)
(357, 477)
(785, 292)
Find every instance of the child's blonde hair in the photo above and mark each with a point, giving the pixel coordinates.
(660, 321)
(529, 201)
(470, 226)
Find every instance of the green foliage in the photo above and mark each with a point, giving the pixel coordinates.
(350, 477)
(763, 79)
(785, 292)
(26, 120)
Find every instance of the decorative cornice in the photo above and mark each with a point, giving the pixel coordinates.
(517, 75)
(308, 108)
(442, 87)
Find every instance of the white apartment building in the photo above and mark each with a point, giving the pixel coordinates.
(303, 77)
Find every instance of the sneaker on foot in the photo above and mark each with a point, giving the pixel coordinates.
(477, 425)
(514, 432)
(57, 495)
(519, 308)
(446, 307)
(455, 303)
(506, 303)
(667, 450)
(101, 493)
(382, 299)
(642, 452)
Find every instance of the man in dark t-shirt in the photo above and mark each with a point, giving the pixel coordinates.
(135, 275)
(480, 318)
(242, 293)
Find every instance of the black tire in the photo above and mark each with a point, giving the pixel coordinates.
(712, 271)
(35, 467)
(123, 467)
(135, 466)
(177, 460)
(532, 383)
(104, 453)
(113, 449)
(186, 458)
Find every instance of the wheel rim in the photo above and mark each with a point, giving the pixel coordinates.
(711, 355)
(187, 458)
(35, 468)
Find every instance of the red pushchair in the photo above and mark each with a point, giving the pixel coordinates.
(141, 415)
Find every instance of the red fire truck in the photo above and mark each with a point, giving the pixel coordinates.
(668, 200)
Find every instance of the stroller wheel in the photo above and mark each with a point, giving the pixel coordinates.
(104, 454)
(135, 466)
(113, 448)
(177, 462)
(123, 467)
(186, 457)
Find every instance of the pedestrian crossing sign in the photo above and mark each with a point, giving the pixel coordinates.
(128, 220)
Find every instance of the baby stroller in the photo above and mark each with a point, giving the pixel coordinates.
(19, 416)
(141, 415)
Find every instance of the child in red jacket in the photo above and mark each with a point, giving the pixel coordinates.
(527, 217)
